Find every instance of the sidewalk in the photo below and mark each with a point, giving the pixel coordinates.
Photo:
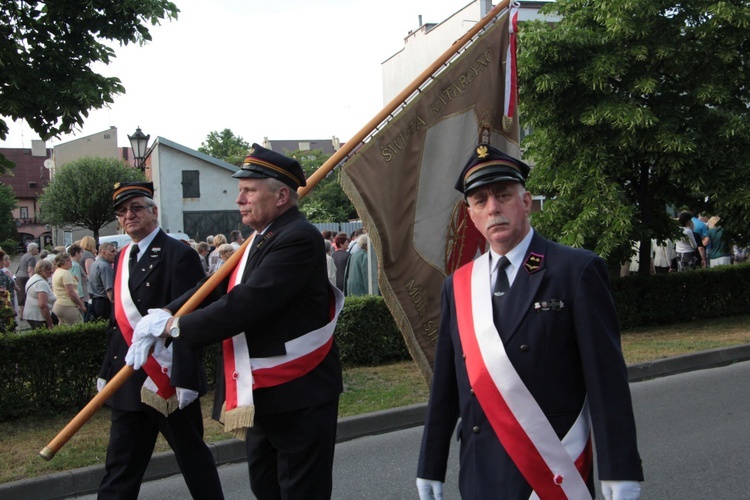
(86, 480)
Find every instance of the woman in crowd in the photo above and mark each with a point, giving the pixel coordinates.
(68, 307)
(214, 260)
(39, 297)
(88, 255)
(225, 251)
(6, 278)
(6, 269)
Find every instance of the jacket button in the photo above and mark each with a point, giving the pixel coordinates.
(475, 429)
(115, 357)
(524, 348)
(471, 391)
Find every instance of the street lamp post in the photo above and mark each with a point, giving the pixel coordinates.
(139, 145)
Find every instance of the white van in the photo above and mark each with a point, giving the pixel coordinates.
(120, 240)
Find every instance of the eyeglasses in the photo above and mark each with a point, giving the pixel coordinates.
(135, 209)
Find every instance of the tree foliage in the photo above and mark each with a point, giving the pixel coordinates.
(80, 193)
(326, 202)
(225, 146)
(46, 52)
(636, 106)
(8, 202)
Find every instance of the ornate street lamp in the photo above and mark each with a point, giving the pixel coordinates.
(139, 145)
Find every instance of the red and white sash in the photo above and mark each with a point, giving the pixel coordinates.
(242, 373)
(157, 390)
(554, 469)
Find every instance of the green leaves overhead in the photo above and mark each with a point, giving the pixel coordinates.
(636, 106)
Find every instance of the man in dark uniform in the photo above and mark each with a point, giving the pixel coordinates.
(275, 319)
(150, 272)
(528, 356)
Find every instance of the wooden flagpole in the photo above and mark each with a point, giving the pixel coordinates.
(349, 145)
(83, 416)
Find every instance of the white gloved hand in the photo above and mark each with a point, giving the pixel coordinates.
(100, 383)
(621, 490)
(146, 333)
(185, 396)
(429, 489)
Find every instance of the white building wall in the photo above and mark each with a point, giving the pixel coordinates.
(423, 46)
(218, 189)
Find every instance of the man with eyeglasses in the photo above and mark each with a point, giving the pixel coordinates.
(163, 397)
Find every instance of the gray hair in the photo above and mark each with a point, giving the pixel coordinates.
(32, 246)
(274, 185)
(363, 241)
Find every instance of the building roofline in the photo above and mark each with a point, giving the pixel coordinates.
(193, 152)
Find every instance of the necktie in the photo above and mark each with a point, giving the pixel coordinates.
(501, 283)
(501, 288)
(133, 256)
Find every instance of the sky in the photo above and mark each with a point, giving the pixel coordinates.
(281, 69)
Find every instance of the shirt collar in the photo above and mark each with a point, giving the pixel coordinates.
(515, 255)
(146, 242)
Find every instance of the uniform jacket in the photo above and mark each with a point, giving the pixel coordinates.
(283, 295)
(164, 272)
(561, 354)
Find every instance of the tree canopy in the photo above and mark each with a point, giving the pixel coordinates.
(80, 192)
(225, 146)
(636, 106)
(46, 53)
(326, 202)
(8, 202)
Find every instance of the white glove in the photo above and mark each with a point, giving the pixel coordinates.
(621, 490)
(100, 383)
(146, 333)
(185, 396)
(429, 489)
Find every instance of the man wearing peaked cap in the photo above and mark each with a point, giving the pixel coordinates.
(488, 165)
(263, 163)
(125, 190)
(275, 317)
(151, 271)
(528, 356)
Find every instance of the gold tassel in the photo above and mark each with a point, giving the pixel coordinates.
(163, 406)
(237, 421)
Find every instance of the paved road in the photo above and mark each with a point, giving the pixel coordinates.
(693, 433)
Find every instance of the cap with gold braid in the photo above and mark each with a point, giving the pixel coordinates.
(488, 165)
(125, 190)
(262, 163)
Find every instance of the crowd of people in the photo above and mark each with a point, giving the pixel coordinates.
(702, 244)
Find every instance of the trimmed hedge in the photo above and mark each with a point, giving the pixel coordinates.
(45, 371)
(51, 370)
(662, 299)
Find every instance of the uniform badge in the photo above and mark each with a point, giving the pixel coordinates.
(533, 262)
(549, 305)
(482, 151)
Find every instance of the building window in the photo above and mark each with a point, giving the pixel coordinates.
(191, 184)
(24, 212)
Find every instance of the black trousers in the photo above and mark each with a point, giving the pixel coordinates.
(290, 455)
(131, 442)
(101, 308)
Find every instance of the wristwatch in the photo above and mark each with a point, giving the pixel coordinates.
(174, 330)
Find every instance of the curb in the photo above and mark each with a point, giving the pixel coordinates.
(86, 480)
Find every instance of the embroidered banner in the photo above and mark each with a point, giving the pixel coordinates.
(401, 182)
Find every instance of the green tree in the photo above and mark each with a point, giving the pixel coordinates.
(225, 146)
(326, 202)
(46, 53)
(8, 202)
(80, 193)
(636, 106)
